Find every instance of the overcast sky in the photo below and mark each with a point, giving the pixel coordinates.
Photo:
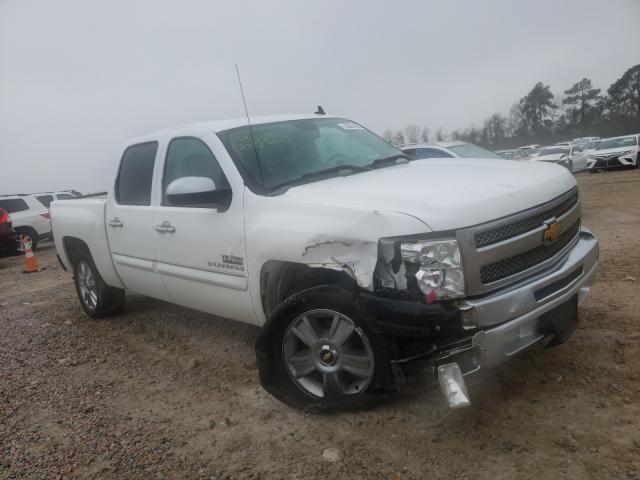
(79, 77)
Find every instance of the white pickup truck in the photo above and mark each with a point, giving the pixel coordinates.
(353, 258)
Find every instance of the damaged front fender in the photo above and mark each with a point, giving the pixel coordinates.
(329, 236)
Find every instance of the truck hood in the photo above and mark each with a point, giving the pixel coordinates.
(444, 194)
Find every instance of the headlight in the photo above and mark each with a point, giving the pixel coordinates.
(625, 153)
(439, 275)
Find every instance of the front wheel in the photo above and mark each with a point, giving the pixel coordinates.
(317, 353)
(98, 299)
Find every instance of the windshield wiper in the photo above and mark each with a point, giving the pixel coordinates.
(336, 169)
(392, 160)
(282, 187)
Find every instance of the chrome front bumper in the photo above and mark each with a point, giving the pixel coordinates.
(510, 321)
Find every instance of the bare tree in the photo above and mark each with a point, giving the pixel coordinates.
(424, 135)
(398, 138)
(387, 135)
(440, 136)
(411, 133)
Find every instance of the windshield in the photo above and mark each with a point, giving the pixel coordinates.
(294, 151)
(618, 142)
(469, 150)
(554, 151)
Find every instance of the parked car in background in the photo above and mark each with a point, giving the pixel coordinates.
(615, 152)
(47, 197)
(584, 140)
(530, 150)
(324, 237)
(452, 149)
(515, 154)
(30, 218)
(9, 242)
(558, 154)
(562, 144)
(581, 153)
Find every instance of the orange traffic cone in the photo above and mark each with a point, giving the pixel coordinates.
(30, 262)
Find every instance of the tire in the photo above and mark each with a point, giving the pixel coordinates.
(340, 364)
(98, 299)
(30, 235)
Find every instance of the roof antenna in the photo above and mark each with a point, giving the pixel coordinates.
(320, 111)
(253, 141)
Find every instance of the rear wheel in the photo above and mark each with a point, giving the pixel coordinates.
(97, 298)
(28, 237)
(316, 352)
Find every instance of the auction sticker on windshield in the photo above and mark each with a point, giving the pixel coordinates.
(350, 126)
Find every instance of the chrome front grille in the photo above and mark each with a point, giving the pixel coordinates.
(523, 261)
(504, 251)
(514, 229)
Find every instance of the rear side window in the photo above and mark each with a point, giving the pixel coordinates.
(45, 200)
(133, 186)
(431, 153)
(13, 205)
(411, 152)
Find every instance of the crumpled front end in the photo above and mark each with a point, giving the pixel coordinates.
(523, 278)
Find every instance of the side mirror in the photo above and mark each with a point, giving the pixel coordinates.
(197, 192)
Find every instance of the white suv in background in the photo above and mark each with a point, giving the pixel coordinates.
(30, 218)
(453, 149)
(46, 198)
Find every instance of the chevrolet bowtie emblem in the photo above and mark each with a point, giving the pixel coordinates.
(552, 231)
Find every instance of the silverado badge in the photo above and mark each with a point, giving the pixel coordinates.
(552, 232)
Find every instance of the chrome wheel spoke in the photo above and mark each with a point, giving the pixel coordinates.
(340, 331)
(302, 364)
(356, 365)
(305, 332)
(332, 385)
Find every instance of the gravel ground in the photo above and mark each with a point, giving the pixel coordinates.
(166, 392)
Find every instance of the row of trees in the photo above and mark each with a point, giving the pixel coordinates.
(544, 118)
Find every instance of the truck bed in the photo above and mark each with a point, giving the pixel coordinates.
(84, 219)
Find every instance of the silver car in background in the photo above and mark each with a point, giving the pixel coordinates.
(452, 149)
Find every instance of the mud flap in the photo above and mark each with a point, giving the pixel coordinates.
(561, 322)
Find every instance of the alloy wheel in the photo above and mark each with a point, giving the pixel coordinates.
(87, 285)
(327, 355)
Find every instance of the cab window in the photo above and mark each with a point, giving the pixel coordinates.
(133, 185)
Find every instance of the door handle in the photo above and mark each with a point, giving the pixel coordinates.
(165, 227)
(115, 222)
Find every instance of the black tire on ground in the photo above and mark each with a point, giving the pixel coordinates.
(31, 233)
(275, 375)
(108, 300)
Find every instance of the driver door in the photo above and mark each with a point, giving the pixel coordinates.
(200, 235)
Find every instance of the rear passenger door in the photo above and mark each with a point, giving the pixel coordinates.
(129, 218)
(200, 241)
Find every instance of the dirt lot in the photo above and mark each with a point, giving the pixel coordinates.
(166, 392)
